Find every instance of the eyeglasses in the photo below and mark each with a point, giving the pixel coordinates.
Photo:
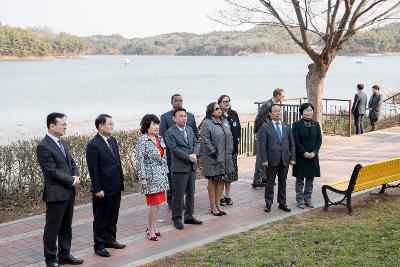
(227, 101)
(217, 108)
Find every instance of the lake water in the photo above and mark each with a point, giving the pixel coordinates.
(85, 87)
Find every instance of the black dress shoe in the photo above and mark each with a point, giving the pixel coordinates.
(52, 264)
(284, 208)
(216, 213)
(69, 260)
(267, 208)
(193, 221)
(102, 252)
(222, 212)
(115, 245)
(179, 225)
(229, 201)
(258, 184)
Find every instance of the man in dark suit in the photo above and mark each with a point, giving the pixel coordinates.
(277, 149)
(61, 177)
(107, 179)
(374, 106)
(262, 116)
(359, 108)
(184, 148)
(166, 121)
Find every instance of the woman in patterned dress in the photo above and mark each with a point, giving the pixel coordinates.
(152, 169)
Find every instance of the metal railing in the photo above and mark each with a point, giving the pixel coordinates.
(247, 140)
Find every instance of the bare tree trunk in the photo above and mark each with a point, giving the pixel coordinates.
(315, 86)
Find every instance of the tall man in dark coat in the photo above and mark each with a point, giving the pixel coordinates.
(104, 164)
(374, 106)
(262, 116)
(184, 150)
(61, 177)
(277, 152)
(166, 121)
(359, 108)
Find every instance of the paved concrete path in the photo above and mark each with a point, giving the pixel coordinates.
(21, 240)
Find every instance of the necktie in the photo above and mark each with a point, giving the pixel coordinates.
(278, 131)
(62, 148)
(185, 135)
(110, 145)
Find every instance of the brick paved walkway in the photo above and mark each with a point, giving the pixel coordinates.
(21, 240)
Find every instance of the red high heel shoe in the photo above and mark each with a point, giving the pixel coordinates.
(153, 238)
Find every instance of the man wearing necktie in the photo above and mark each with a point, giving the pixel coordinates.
(107, 180)
(277, 149)
(61, 177)
(166, 121)
(183, 146)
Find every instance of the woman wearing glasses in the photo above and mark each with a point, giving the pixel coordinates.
(232, 117)
(217, 146)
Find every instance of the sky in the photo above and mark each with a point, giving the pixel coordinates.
(130, 18)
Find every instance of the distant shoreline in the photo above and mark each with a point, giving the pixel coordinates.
(266, 54)
(53, 57)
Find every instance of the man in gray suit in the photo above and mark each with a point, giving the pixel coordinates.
(277, 152)
(277, 97)
(374, 106)
(183, 146)
(166, 121)
(359, 108)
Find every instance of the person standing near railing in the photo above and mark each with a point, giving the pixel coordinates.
(278, 151)
(308, 138)
(232, 117)
(278, 95)
(359, 108)
(216, 146)
(374, 106)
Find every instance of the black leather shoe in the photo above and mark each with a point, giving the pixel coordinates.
(267, 208)
(179, 225)
(52, 264)
(258, 184)
(115, 245)
(222, 212)
(216, 213)
(284, 208)
(229, 201)
(70, 260)
(102, 252)
(192, 221)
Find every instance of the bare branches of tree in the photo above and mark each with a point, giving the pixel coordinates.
(320, 27)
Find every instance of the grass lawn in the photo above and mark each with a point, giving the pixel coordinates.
(371, 237)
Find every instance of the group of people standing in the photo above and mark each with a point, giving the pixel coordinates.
(361, 105)
(167, 155)
(279, 146)
(168, 152)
